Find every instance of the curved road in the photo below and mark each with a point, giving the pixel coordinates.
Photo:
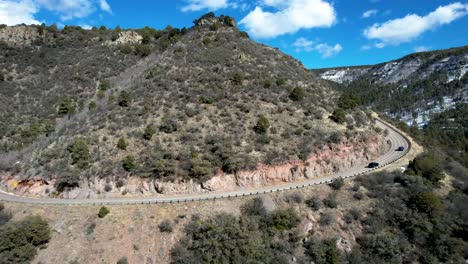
(395, 137)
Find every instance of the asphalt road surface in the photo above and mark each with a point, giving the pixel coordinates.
(395, 138)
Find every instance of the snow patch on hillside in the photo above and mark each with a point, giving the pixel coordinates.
(344, 75)
(422, 116)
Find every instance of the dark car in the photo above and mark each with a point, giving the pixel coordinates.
(400, 148)
(373, 165)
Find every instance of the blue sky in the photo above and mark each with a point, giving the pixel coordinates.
(320, 33)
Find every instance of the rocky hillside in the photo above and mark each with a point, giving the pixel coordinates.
(411, 88)
(417, 66)
(427, 92)
(171, 104)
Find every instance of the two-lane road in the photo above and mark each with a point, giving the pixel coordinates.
(395, 138)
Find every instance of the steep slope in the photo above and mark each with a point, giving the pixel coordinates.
(172, 105)
(417, 65)
(411, 88)
(427, 92)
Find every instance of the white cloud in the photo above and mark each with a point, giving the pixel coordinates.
(68, 9)
(328, 51)
(105, 6)
(421, 48)
(241, 5)
(303, 44)
(17, 12)
(370, 13)
(14, 12)
(290, 17)
(411, 26)
(196, 5)
(275, 3)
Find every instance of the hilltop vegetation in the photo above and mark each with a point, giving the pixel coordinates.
(159, 103)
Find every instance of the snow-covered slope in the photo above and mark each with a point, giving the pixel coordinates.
(433, 82)
(345, 74)
(418, 65)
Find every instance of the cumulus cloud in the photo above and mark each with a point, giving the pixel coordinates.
(411, 26)
(303, 44)
(327, 51)
(370, 13)
(289, 17)
(17, 12)
(275, 3)
(14, 12)
(241, 5)
(68, 9)
(197, 5)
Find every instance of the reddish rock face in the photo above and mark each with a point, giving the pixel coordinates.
(330, 158)
(327, 160)
(33, 186)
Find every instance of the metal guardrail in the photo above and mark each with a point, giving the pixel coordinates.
(278, 189)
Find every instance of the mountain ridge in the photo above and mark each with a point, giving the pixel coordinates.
(426, 57)
(171, 104)
(438, 78)
(425, 93)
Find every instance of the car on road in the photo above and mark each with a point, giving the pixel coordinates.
(373, 165)
(401, 148)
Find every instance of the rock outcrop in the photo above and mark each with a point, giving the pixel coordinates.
(331, 158)
(344, 75)
(129, 36)
(210, 19)
(19, 36)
